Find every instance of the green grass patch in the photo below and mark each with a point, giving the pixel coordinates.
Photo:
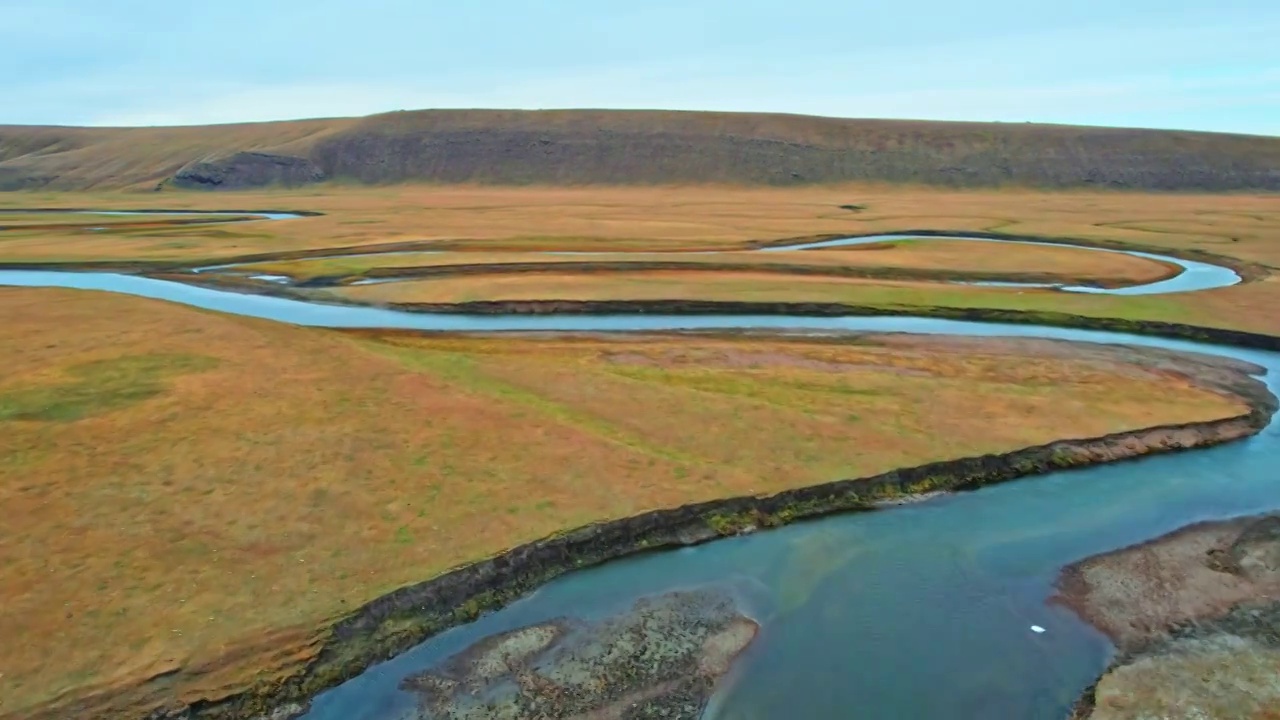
(100, 387)
(772, 389)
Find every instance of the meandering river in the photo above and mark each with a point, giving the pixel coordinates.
(924, 611)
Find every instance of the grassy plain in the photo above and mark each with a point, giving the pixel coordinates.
(192, 498)
(657, 218)
(76, 220)
(664, 219)
(1214, 308)
(958, 257)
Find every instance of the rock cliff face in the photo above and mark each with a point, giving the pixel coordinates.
(14, 179)
(633, 147)
(247, 170)
(519, 156)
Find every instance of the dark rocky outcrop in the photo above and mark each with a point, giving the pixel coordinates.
(248, 170)
(949, 156)
(564, 147)
(15, 179)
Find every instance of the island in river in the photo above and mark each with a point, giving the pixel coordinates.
(660, 659)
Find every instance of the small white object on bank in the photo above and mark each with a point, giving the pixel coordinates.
(1037, 629)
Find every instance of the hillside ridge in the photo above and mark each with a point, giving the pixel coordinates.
(576, 147)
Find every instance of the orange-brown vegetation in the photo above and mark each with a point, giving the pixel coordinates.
(653, 218)
(945, 257)
(192, 498)
(1247, 307)
(660, 219)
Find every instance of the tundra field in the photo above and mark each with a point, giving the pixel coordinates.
(194, 499)
(484, 224)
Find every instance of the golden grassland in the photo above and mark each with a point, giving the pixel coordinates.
(950, 256)
(652, 218)
(1251, 307)
(140, 157)
(77, 220)
(663, 219)
(191, 498)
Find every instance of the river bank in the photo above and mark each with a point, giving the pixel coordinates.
(1249, 271)
(397, 622)
(381, 633)
(1196, 617)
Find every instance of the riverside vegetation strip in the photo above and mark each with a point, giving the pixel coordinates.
(483, 384)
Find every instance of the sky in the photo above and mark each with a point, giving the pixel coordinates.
(1187, 64)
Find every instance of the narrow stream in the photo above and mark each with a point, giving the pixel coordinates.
(918, 612)
(1194, 275)
(218, 216)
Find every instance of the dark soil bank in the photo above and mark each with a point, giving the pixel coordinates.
(1196, 615)
(661, 659)
(1238, 338)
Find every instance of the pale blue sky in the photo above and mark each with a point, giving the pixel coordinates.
(1201, 64)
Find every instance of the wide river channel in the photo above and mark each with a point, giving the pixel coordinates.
(923, 611)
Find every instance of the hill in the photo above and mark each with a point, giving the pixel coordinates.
(567, 147)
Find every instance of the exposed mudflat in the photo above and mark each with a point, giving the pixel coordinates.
(1196, 615)
(660, 659)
